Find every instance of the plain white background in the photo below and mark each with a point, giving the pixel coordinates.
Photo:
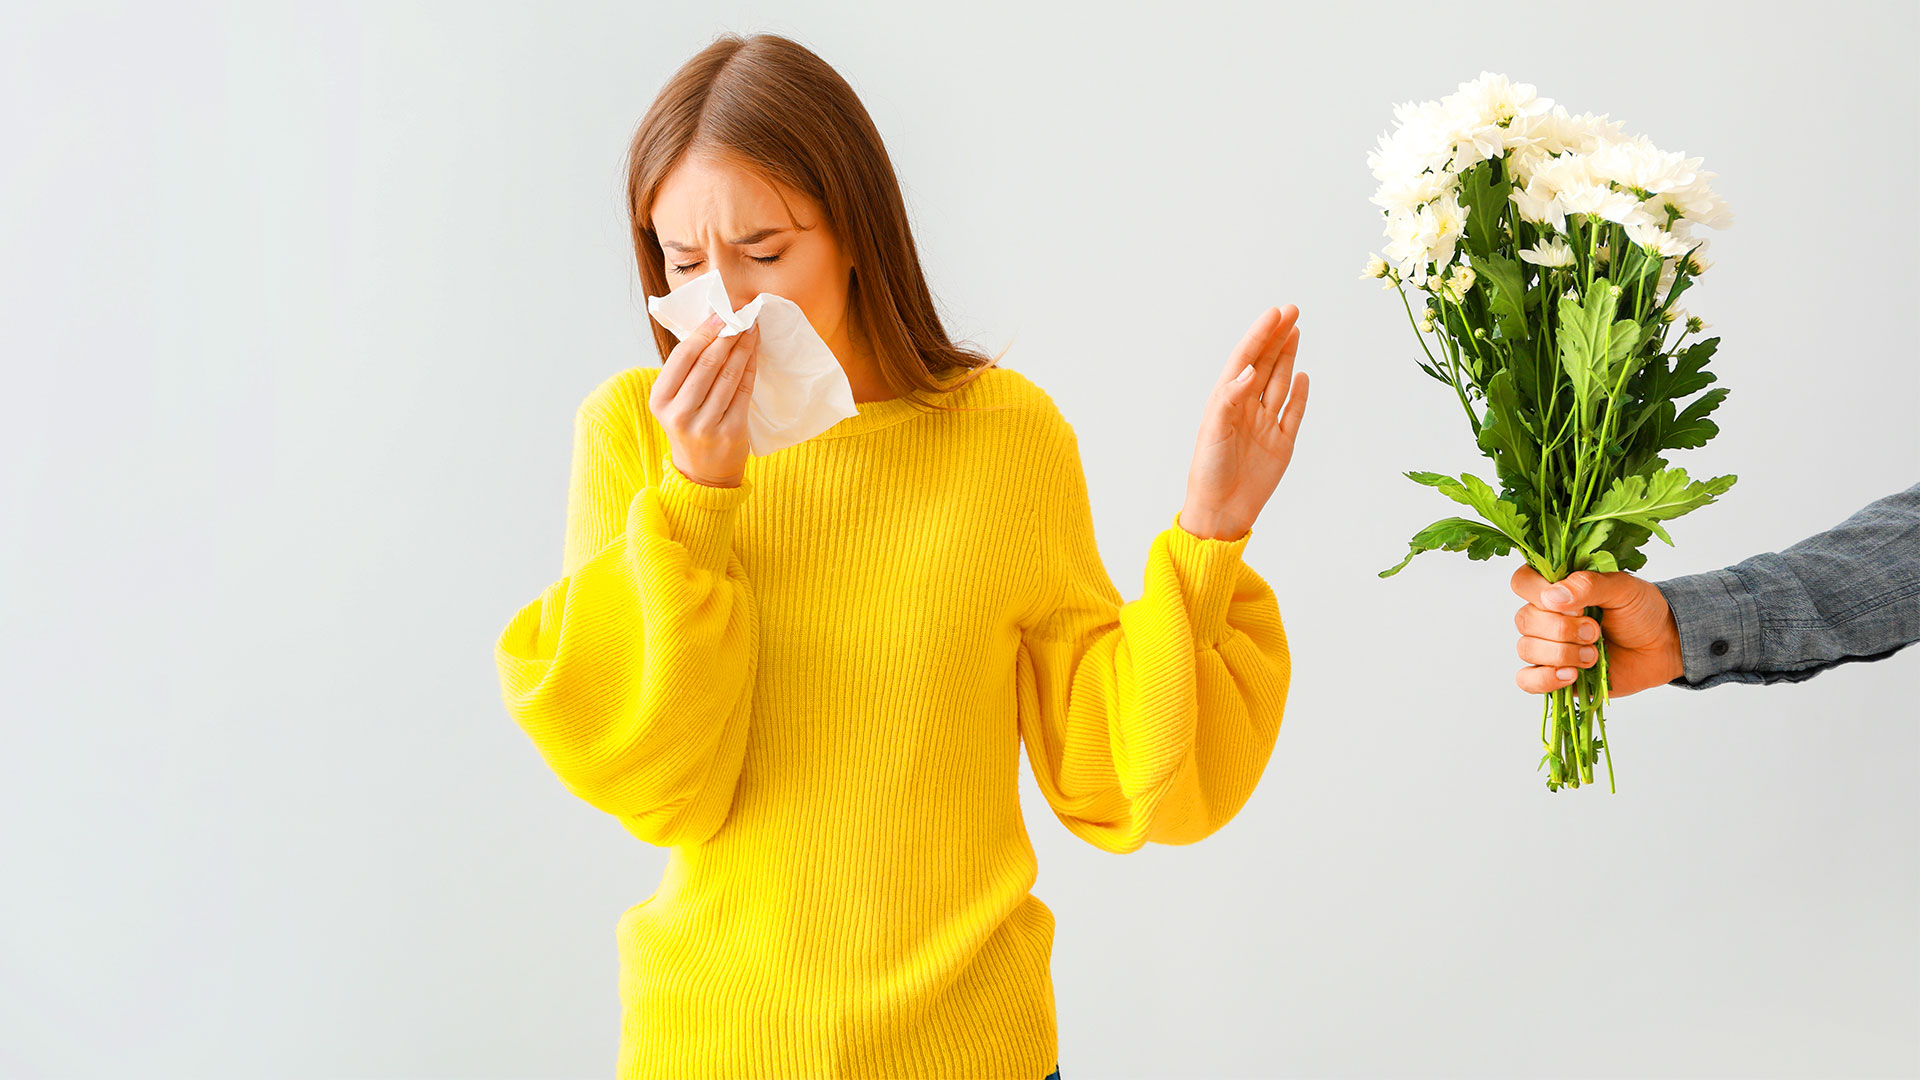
(298, 303)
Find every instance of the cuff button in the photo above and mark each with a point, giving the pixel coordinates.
(1719, 647)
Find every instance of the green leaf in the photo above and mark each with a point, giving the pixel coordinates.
(1591, 538)
(1647, 409)
(1623, 353)
(1506, 437)
(1486, 200)
(1659, 389)
(1479, 541)
(1648, 500)
(1691, 429)
(1433, 371)
(1690, 374)
(1627, 355)
(1636, 264)
(1591, 552)
(1470, 490)
(1593, 344)
(1576, 355)
(1501, 514)
(1507, 292)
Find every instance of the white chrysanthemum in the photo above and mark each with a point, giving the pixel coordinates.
(1523, 161)
(1376, 267)
(1557, 164)
(1397, 158)
(1449, 221)
(1407, 251)
(1637, 163)
(1495, 100)
(1700, 204)
(1475, 143)
(1663, 213)
(1680, 209)
(1693, 323)
(1482, 119)
(1564, 172)
(1454, 287)
(1489, 116)
(1536, 204)
(1601, 201)
(1422, 241)
(1551, 251)
(1654, 238)
(1423, 139)
(1557, 132)
(1404, 191)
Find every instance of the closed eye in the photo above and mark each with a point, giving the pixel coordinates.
(689, 266)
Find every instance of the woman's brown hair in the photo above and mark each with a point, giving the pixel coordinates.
(774, 107)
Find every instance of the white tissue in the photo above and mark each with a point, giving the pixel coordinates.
(799, 388)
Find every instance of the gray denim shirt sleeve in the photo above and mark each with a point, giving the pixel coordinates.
(1850, 593)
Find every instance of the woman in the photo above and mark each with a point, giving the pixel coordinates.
(809, 674)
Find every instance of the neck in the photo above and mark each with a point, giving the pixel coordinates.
(862, 371)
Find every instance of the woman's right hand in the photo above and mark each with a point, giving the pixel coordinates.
(700, 398)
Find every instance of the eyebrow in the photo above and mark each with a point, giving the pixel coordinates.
(738, 241)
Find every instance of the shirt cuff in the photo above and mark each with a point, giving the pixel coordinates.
(1208, 570)
(1719, 623)
(698, 516)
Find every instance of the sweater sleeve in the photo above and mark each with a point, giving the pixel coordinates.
(633, 673)
(1151, 720)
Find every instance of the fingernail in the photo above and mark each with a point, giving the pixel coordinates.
(1588, 632)
(1566, 673)
(1587, 654)
(713, 320)
(1246, 374)
(1557, 595)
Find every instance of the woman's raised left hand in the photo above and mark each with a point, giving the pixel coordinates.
(1246, 437)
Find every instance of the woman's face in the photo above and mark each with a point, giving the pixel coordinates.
(713, 215)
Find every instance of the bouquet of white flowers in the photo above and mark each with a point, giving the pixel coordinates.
(1548, 251)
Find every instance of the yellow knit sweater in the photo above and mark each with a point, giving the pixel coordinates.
(812, 689)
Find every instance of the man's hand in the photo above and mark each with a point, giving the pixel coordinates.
(1643, 642)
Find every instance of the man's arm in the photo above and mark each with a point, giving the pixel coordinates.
(1848, 594)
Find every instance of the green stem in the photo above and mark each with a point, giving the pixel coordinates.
(1397, 287)
(1453, 370)
(1606, 744)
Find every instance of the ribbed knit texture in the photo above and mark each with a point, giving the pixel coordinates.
(812, 689)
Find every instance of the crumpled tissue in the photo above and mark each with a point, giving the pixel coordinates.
(799, 388)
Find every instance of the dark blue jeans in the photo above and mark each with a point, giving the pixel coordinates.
(1055, 1074)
